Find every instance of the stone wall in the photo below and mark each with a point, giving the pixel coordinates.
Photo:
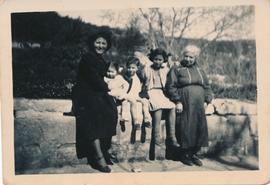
(46, 138)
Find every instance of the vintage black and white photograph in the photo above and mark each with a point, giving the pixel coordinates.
(135, 90)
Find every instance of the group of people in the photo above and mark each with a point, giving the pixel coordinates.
(178, 92)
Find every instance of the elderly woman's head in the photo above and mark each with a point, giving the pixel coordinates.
(100, 42)
(190, 55)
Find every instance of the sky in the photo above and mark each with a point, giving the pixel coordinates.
(96, 17)
(120, 18)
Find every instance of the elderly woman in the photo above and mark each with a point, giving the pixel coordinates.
(95, 109)
(187, 86)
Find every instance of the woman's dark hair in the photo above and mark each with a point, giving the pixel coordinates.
(104, 33)
(154, 52)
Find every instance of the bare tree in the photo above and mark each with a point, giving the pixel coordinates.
(231, 17)
(168, 27)
(183, 20)
(150, 19)
(171, 28)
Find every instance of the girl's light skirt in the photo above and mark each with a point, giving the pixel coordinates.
(158, 100)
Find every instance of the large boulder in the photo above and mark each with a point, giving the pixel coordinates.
(232, 134)
(42, 105)
(44, 137)
(210, 109)
(233, 106)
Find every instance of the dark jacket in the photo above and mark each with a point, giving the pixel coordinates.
(189, 85)
(182, 76)
(95, 110)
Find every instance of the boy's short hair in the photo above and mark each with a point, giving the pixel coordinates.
(133, 61)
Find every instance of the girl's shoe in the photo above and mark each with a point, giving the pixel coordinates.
(158, 142)
(172, 143)
(175, 144)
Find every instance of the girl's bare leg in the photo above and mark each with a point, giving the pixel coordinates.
(156, 127)
(170, 129)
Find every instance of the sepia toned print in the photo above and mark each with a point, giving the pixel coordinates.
(161, 89)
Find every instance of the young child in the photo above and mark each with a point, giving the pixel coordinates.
(118, 89)
(139, 107)
(116, 83)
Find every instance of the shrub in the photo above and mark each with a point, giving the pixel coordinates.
(50, 72)
(243, 92)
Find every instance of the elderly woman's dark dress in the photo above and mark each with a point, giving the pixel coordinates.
(95, 110)
(189, 85)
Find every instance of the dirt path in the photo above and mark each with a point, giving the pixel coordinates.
(146, 166)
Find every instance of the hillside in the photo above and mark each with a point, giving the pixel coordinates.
(48, 47)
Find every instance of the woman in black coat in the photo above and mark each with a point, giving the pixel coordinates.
(95, 110)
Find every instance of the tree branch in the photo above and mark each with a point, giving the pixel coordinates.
(172, 27)
(186, 19)
(152, 40)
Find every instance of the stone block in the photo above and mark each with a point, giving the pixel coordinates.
(39, 136)
(238, 122)
(28, 156)
(66, 155)
(216, 127)
(253, 125)
(231, 135)
(209, 109)
(52, 125)
(45, 138)
(42, 105)
(232, 106)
